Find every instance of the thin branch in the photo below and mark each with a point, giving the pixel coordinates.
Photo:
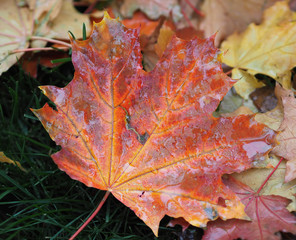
(91, 216)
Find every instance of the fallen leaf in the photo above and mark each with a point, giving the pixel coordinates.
(15, 27)
(5, 159)
(164, 38)
(268, 48)
(276, 184)
(139, 20)
(268, 215)
(264, 98)
(246, 83)
(19, 23)
(228, 16)
(150, 138)
(70, 19)
(154, 9)
(274, 118)
(287, 136)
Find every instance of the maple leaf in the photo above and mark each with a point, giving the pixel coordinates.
(276, 183)
(268, 214)
(34, 23)
(19, 23)
(150, 138)
(228, 16)
(268, 48)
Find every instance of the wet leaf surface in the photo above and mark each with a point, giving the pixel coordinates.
(149, 137)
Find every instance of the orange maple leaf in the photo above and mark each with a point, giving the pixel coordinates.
(150, 138)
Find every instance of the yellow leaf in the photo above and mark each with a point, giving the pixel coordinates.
(246, 83)
(268, 48)
(164, 37)
(228, 16)
(70, 19)
(5, 159)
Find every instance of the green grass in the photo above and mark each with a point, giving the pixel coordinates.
(45, 203)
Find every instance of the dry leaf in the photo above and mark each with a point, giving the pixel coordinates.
(274, 118)
(19, 23)
(164, 37)
(276, 185)
(246, 83)
(15, 28)
(70, 19)
(287, 137)
(228, 16)
(149, 137)
(154, 9)
(268, 48)
(5, 159)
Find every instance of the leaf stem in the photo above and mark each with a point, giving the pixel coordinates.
(91, 216)
(51, 40)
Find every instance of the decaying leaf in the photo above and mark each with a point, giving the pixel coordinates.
(24, 21)
(15, 27)
(268, 48)
(228, 16)
(154, 9)
(276, 184)
(268, 215)
(5, 159)
(149, 137)
(274, 118)
(287, 136)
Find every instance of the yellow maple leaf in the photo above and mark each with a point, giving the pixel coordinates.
(268, 48)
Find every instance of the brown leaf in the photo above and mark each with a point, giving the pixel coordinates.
(154, 9)
(268, 48)
(287, 137)
(228, 16)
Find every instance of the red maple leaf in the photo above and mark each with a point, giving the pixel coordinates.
(150, 138)
(268, 215)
